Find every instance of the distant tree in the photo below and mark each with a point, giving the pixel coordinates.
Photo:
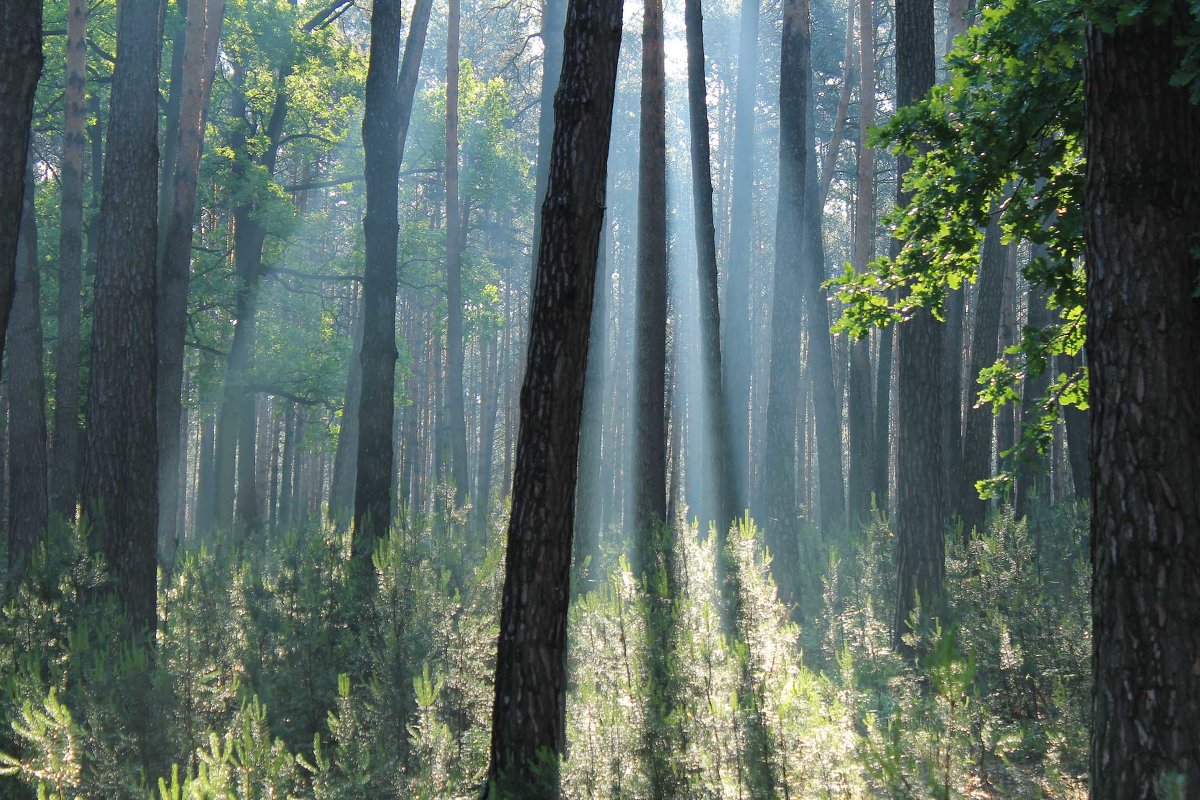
(120, 494)
(20, 66)
(920, 537)
(381, 229)
(28, 504)
(1141, 217)
(528, 725)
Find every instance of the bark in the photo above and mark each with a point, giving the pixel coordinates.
(919, 476)
(737, 342)
(723, 509)
(381, 230)
(779, 464)
(861, 485)
(650, 453)
(553, 17)
(528, 722)
(204, 22)
(27, 467)
(120, 492)
(345, 458)
(67, 444)
(1141, 203)
(454, 416)
(20, 66)
(977, 444)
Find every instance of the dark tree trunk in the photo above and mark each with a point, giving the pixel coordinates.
(779, 466)
(455, 414)
(28, 503)
(737, 343)
(649, 431)
(985, 338)
(204, 22)
(723, 508)
(553, 17)
(1141, 206)
(1033, 468)
(20, 66)
(528, 715)
(120, 492)
(345, 458)
(919, 476)
(381, 229)
(67, 445)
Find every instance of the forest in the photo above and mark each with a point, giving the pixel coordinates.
(600, 400)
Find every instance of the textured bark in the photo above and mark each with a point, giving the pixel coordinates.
(381, 231)
(67, 445)
(528, 725)
(919, 477)
(120, 492)
(737, 346)
(28, 503)
(723, 505)
(650, 337)
(985, 337)
(1141, 206)
(860, 478)
(20, 66)
(779, 466)
(204, 22)
(553, 17)
(454, 415)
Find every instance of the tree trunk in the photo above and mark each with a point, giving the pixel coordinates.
(919, 476)
(650, 453)
(588, 572)
(381, 230)
(1076, 423)
(737, 342)
(345, 458)
(977, 444)
(67, 445)
(1033, 468)
(528, 725)
(553, 17)
(20, 66)
(28, 503)
(861, 485)
(1143, 342)
(204, 22)
(723, 506)
(120, 492)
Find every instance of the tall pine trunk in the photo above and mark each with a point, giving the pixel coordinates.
(120, 492)
(1141, 206)
(528, 723)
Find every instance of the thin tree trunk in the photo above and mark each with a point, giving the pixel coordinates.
(1142, 146)
(345, 459)
(27, 466)
(919, 475)
(381, 230)
(843, 110)
(553, 18)
(20, 66)
(120, 492)
(589, 519)
(67, 445)
(1076, 422)
(528, 725)
(1033, 468)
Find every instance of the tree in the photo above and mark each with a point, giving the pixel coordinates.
(120, 494)
(553, 12)
(67, 445)
(920, 538)
(381, 229)
(204, 21)
(28, 504)
(20, 66)
(1143, 342)
(528, 726)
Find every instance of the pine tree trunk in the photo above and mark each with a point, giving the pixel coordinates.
(67, 445)
(553, 18)
(1141, 207)
(919, 476)
(588, 573)
(737, 341)
(120, 493)
(28, 502)
(20, 66)
(528, 725)
(204, 22)
(1033, 468)
(381, 230)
